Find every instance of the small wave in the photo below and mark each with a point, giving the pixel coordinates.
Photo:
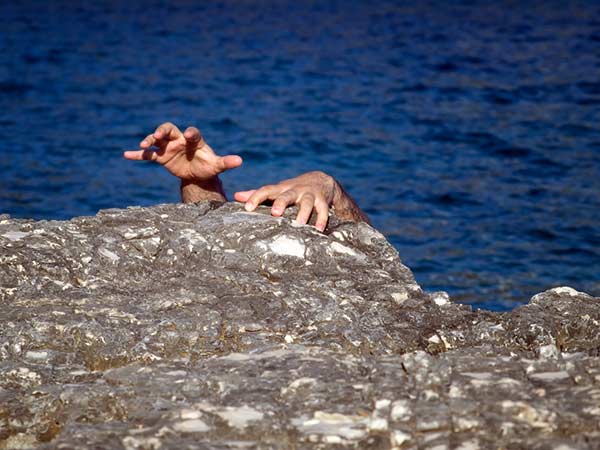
(541, 234)
(14, 87)
(512, 152)
(452, 199)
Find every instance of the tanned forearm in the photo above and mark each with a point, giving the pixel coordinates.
(345, 207)
(195, 191)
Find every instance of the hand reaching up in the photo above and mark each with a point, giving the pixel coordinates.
(186, 155)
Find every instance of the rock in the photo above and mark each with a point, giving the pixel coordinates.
(205, 326)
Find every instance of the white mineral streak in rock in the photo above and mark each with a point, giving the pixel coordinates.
(177, 373)
(188, 414)
(379, 417)
(401, 410)
(37, 355)
(566, 290)
(484, 376)
(132, 233)
(305, 381)
(472, 444)
(246, 216)
(550, 376)
(287, 246)
(538, 418)
(28, 377)
(239, 416)
(400, 297)
(15, 235)
(339, 235)
(440, 298)
(108, 254)
(236, 357)
(549, 352)
(333, 424)
(435, 339)
(383, 404)
(413, 287)
(191, 426)
(341, 249)
(250, 327)
(399, 437)
(429, 394)
(562, 290)
(193, 237)
(592, 410)
(506, 380)
(378, 424)
(465, 423)
(455, 392)
(137, 443)
(297, 384)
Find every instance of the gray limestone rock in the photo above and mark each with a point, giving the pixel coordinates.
(204, 326)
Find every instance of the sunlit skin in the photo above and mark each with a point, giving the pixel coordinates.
(187, 156)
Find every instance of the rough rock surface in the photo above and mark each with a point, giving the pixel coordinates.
(203, 326)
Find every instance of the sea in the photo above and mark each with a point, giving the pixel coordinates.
(469, 131)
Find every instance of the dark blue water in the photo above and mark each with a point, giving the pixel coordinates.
(469, 132)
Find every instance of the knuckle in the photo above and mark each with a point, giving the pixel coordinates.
(290, 194)
(308, 198)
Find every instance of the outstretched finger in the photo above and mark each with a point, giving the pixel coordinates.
(322, 214)
(148, 141)
(167, 132)
(243, 196)
(262, 194)
(282, 201)
(307, 203)
(140, 155)
(193, 139)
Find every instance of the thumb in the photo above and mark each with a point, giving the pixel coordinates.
(230, 162)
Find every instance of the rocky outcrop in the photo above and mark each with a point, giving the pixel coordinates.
(204, 326)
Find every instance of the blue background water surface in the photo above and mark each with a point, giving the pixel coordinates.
(469, 132)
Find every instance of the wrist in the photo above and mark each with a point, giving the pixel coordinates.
(210, 184)
(193, 191)
(338, 194)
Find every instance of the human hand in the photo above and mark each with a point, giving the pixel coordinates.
(185, 155)
(310, 191)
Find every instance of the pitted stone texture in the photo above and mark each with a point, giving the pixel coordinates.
(204, 326)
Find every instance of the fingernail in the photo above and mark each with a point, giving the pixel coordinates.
(248, 206)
